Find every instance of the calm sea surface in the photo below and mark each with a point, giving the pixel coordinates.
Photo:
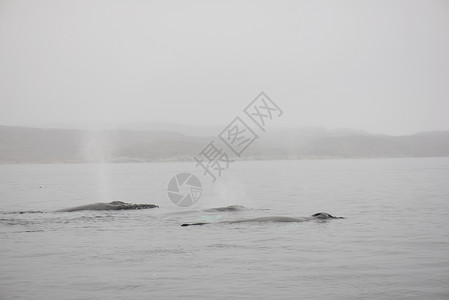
(393, 244)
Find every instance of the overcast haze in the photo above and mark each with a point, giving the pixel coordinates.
(381, 66)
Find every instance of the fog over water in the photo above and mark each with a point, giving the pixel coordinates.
(145, 102)
(380, 66)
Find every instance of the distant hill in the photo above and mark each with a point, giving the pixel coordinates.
(33, 145)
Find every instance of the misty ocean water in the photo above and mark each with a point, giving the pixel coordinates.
(392, 244)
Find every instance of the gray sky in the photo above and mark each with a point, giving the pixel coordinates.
(382, 66)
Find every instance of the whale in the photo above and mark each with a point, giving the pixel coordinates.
(119, 205)
(315, 217)
(227, 208)
(230, 208)
(114, 205)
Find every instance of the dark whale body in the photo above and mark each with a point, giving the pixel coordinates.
(227, 208)
(317, 217)
(230, 208)
(114, 205)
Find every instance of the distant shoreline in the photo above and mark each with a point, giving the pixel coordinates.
(21, 145)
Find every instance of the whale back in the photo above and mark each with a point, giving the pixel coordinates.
(325, 216)
(115, 205)
(227, 208)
